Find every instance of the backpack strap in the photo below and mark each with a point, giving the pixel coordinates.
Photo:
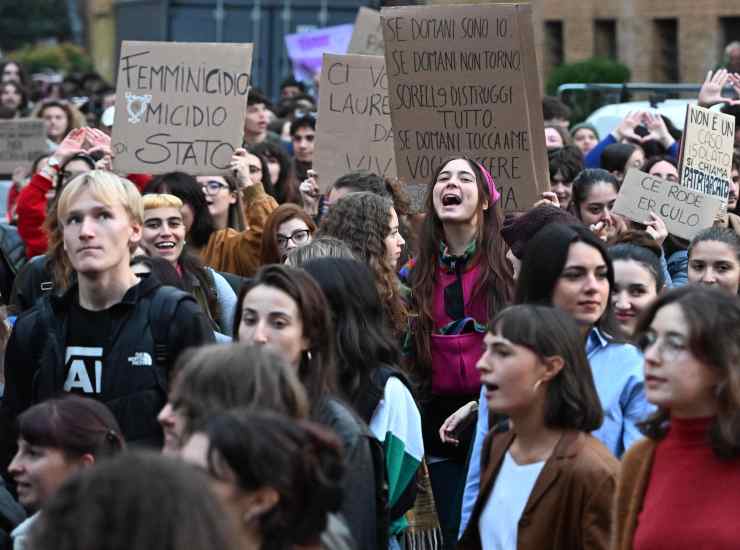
(162, 310)
(371, 396)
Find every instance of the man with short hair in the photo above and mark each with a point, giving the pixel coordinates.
(257, 119)
(111, 336)
(290, 87)
(303, 135)
(555, 112)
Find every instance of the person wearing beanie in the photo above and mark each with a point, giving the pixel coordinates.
(518, 231)
(585, 136)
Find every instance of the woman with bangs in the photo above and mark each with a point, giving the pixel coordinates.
(568, 267)
(57, 438)
(459, 281)
(546, 482)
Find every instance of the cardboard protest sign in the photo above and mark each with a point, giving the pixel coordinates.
(305, 49)
(684, 211)
(180, 106)
(463, 80)
(21, 141)
(353, 131)
(706, 152)
(367, 35)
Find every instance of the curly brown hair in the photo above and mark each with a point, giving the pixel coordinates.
(362, 220)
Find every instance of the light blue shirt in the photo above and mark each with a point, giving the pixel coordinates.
(619, 380)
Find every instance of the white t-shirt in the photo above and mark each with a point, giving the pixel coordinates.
(498, 524)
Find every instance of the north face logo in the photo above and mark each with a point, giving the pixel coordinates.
(141, 359)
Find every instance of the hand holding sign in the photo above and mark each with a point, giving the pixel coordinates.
(240, 167)
(656, 228)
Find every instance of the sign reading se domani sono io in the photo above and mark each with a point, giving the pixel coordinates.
(463, 80)
(180, 106)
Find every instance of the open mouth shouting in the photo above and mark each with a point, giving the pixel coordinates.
(451, 198)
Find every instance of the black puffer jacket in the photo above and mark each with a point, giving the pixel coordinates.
(12, 258)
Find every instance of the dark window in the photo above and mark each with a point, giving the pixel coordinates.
(665, 50)
(554, 43)
(605, 38)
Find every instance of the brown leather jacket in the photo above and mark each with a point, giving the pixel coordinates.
(637, 463)
(570, 504)
(239, 253)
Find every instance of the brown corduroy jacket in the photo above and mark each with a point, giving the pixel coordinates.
(239, 252)
(569, 507)
(634, 476)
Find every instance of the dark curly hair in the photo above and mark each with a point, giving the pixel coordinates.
(362, 220)
(299, 460)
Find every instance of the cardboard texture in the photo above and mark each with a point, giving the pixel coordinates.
(684, 211)
(180, 106)
(353, 130)
(706, 153)
(22, 140)
(367, 35)
(463, 80)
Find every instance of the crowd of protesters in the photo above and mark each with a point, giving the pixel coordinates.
(238, 361)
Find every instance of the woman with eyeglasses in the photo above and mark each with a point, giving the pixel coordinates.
(163, 236)
(679, 488)
(222, 248)
(287, 228)
(459, 281)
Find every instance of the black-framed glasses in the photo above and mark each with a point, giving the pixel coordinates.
(211, 187)
(669, 346)
(298, 237)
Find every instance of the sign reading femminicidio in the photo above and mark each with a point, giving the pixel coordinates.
(180, 106)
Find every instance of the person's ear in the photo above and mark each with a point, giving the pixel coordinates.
(258, 502)
(553, 365)
(233, 197)
(135, 234)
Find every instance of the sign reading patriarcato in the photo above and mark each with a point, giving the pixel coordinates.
(353, 131)
(180, 106)
(463, 80)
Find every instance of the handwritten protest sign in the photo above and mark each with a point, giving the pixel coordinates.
(180, 106)
(305, 49)
(21, 141)
(367, 35)
(353, 131)
(464, 80)
(684, 211)
(706, 152)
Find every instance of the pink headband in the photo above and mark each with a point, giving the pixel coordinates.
(495, 195)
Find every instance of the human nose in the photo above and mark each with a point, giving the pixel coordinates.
(621, 301)
(165, 415)
(16, 465)
(86, 228)
(482, 364)
(652, 352)
(709, 277)
(260, 333)
(400, 240)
